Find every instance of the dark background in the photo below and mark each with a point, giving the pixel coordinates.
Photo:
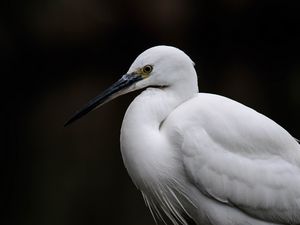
(57, 54)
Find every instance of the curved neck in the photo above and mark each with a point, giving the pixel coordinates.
(154, 105)
(145, 150)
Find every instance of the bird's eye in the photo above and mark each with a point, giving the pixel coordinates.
(147, 69)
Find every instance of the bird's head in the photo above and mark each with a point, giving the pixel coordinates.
(160, 66)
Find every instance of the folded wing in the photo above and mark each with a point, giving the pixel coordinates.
(239, 157)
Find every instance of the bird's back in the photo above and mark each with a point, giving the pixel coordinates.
(232, 123)
(237, 158)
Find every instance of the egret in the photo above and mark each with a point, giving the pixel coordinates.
(201, 155)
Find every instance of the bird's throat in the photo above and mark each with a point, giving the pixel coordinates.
(145, 149)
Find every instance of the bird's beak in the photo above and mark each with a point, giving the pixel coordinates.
(122, 86)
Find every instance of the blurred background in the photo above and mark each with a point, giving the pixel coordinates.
(57, 54)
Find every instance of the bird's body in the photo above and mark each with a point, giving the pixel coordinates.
(234, 165)
(204, 155)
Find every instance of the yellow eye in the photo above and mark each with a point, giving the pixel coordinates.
(147, 69)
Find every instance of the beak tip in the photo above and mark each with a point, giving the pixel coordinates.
(68, 122)
(75, 117)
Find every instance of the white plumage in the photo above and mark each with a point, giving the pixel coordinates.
(202, 155)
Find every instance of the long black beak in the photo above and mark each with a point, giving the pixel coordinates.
(117, 89)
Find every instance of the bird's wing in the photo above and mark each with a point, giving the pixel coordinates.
(239, 157)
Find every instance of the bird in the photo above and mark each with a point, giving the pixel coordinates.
(200, 155)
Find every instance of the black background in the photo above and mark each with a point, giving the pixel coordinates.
(57, 54)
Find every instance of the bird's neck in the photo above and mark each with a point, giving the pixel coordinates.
(145, 149)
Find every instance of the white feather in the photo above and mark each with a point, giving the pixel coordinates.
(204, 155)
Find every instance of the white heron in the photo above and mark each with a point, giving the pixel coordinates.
(202, 155)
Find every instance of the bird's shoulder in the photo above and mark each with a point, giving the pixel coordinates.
(237, 156)
(231, 124)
